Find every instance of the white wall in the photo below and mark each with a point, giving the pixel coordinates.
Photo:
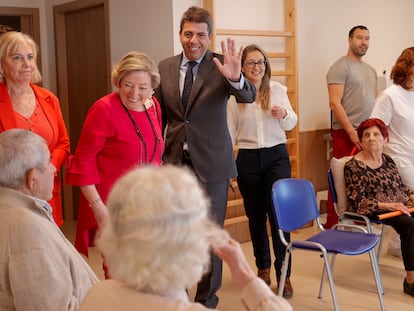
(146, 26)
(179, 7)
(322, 37)
(260, 15)
(323, 27)
(322, 30)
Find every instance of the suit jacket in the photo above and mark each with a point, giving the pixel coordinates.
(204, 123)
(59, 146)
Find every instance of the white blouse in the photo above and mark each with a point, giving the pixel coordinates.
(253, 128)
(395, 106)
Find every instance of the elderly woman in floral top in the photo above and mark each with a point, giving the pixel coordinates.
(374, 186)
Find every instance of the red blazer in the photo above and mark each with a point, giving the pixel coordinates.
(59, 146)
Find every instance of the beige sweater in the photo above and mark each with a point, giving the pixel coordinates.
(39, 267)
(112, 295)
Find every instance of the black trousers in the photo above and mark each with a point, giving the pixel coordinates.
(258, 169)
(210, 283)
(404, 226)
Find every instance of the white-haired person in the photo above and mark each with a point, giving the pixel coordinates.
(157, 244)
(39, 268)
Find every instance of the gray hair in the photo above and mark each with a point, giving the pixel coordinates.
(20, 151)
(159, 234)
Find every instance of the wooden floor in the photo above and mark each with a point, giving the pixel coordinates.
(354, 280)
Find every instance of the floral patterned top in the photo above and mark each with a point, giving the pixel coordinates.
(365, 187)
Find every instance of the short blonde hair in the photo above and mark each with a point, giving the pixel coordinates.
(9, 44)
(135, 61)
(159, 234)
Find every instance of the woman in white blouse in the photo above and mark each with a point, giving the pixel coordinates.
(258, 130)
(395, 106)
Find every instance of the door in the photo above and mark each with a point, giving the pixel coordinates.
(83, 70)
(22, 19)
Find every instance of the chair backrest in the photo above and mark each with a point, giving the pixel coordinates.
(294, 203)
(337, 184)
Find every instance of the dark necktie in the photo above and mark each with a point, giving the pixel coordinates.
(188, 83)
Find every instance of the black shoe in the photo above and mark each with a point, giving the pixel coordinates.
(408, 288)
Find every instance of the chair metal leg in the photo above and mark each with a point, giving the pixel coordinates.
(381, 240)
(330, 277)
(284, 270)
(377, 276)
(323, 278)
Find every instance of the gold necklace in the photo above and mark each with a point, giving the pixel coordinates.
(24, 106)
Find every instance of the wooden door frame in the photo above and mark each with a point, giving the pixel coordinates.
(29, 23)
(59, 12)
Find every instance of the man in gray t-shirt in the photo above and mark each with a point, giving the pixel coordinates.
(352, 88)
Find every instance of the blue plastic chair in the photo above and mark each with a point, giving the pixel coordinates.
(295, 205)
(337, 167)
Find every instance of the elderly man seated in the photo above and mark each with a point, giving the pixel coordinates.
(39, 267)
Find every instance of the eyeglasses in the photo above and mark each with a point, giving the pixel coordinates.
(250, 64)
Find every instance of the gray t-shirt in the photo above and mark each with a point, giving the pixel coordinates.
(360, 88)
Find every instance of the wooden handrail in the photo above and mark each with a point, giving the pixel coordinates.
(235, 202)
(248, 33)
(282, 73)
(235, 220)
(278, 55)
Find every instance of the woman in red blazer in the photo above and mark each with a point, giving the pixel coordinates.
(26, 105)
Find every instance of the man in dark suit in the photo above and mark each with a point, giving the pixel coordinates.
(196, 130)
